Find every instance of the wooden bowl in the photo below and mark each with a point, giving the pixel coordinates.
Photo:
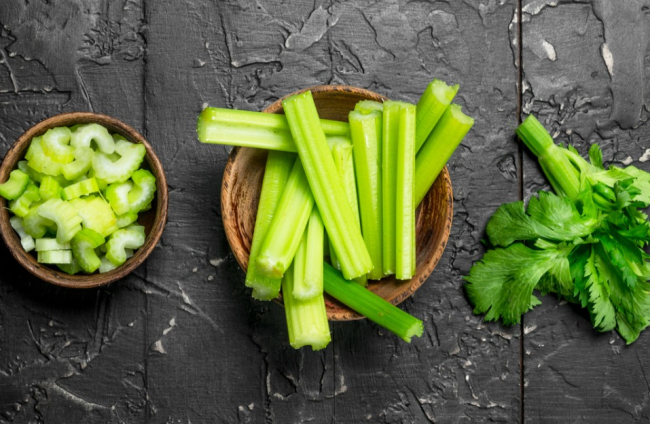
(242, 183)
(153, 220)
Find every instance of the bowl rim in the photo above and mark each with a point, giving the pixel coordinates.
(47, 273)
(432, 261)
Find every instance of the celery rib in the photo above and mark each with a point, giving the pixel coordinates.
(389, 146)
(308, 262)
(432, 104)
(276, 174)
(405, 207)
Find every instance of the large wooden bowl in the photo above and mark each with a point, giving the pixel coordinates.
(153, 220)
(242, 183)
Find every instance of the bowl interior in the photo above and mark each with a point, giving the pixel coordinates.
(153, 220)
(242, 183)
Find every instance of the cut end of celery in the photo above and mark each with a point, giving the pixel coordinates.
(443, 92)
(316, 339)
(270, 267)
(207, 115)
(456, 112)
(416, 329)
(535, 136)
(264, 293)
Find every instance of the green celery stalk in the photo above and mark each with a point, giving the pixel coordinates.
(438, 148)
(432, 104)
(287, 225)
(254, 129)
(308, 262)
(370, 305)
(405, 207)
(326, 185)
(366, 131)
(306, 319)
(276, 174)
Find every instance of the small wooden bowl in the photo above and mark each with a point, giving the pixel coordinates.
(153, 220)
(242, 183)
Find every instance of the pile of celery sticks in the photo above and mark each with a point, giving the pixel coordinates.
(353, 187)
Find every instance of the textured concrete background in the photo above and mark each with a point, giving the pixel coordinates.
(180, 340)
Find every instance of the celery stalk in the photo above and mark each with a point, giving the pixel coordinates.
(438, 148)
(287, 225)
(326, 184)
(367, 106)
(306, 319)
(390, 141)
(370, 305)
(308, 262)
(432, 104)
(276, 174)
(405, 207)
(366, 138)
(254, 129)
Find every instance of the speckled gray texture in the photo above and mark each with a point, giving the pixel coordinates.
(181, 341)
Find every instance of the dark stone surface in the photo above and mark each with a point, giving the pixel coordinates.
(181, 341)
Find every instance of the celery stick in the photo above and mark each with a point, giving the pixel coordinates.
(82, 188)
(72, 268)
(14, 187)
(84, 244)
(436, 151)
(306, 319)
(405, 209)
(432, 104)
(367, 106)
(326, 184)
(124, 238)
(370, 305)
(143, 190)
(254, 129)
(50, 188)
(84, 135)
(366, 137)
(21, 206)
(308, 262)
(54, 257)
(288, 224)
(39, 161)
(56, 144)
(35, 225)
(44, 244)
(64, 215)
(83, 157)
(276, 174)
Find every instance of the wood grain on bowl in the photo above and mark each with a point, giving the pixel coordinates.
(153, 220)
(242, 183)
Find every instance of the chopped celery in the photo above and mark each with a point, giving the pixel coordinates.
(84, 244)
(432, 104)
(64, 215)
(34, 148)
(306, 319)
(370, 305)
(405, 209)
(126, 219)
(20, 206)
(437, 149)
(367, 106)
(50, 188)
(56, 144)
(97, 215)
(40, 162)
(82, 188)
(43, 244)
(54, 257)
(276, 174)
(366, 133)
(86, 134)
(26, 240)
(83, 157)
(254, 129)
(287, 225)
(326, 184)
(122, 239)
(117, 195)
(120, 170)
(72, 268)
(143, 191)
(308, 262)
(15, 185)
(35, 225)
(106, 265)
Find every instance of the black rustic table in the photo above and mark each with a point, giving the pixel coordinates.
(181, 341)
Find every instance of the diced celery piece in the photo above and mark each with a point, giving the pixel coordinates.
(390, 141)
(35, 225)
(83, 249)
(438, 148)
(106, 265)
(97, 215)
(306, 319)
(64, 215)
(40, 162)
(14, 187)
(43, 244)
(34, 147)
(86, 134)
(144, 189)
(82, 188)
(432, 104)
(326, 184)
(26, 240)
(121, 170)
(126, 220)
(366, 133)
(20, 206)
(50, 188)
(120, 240)
(54, 257)
(82, 162)
(367, 106)
(405, 207)
(276, 173)
(308, 262)
(254, 129)
(56, 144)
(136, 227)
(72, 268)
